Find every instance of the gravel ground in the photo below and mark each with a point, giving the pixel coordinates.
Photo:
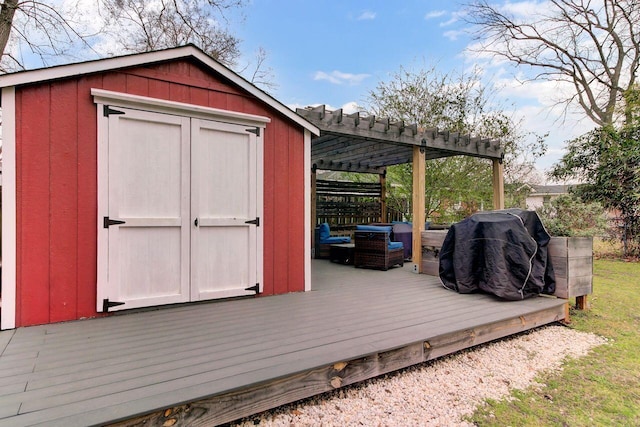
(440, 392)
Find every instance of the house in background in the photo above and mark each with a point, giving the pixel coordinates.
(144, 180)
(541, 194)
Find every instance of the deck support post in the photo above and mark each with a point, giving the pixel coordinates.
(418, 205)
(498, 184)
(582, 303)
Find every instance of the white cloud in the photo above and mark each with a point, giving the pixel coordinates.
(525, 8)
(338, 77)
(543, 117)
(453, 34)
(350, 107)
(435, 14)
(455, 17)
(367, 15)
(449, 22)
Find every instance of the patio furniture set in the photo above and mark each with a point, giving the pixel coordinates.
(373, 246)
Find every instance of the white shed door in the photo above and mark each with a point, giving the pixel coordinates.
(148, 173)
(181, 218)
(224, 208)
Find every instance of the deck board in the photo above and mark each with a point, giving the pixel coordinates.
(105, 370)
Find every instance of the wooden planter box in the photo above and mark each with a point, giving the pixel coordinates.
(431, 245)
(571, 257)
(572, 260)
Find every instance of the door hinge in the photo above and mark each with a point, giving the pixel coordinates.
(255, 288)
(255, 131)
(106, 222)
(107, 111)
(255, 222)
(106, 304)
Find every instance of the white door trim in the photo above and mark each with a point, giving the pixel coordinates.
(103, 199)
(156, 105)
(9, 247)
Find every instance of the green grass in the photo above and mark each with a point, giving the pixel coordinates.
(600, 389)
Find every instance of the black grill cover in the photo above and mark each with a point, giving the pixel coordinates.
(500, 252)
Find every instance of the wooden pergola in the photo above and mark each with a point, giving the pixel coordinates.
(369, 144)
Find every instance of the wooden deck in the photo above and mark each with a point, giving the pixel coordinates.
(235, 358)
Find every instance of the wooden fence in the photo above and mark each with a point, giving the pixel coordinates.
(344, 204)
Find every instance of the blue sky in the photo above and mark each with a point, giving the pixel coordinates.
(335, 53)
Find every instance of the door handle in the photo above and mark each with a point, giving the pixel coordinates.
(195, 222)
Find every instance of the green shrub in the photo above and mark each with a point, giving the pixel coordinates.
(567, 215)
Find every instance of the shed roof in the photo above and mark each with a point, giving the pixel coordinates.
(139, 59)
(355, 143)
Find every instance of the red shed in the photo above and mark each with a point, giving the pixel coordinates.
(145, 180)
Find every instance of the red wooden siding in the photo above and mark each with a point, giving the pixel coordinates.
(63, 202)
(56, 161)
(33, 206)
(87, 198)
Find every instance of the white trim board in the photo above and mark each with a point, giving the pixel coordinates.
(307, 210)
(136, 102)
(8, 315)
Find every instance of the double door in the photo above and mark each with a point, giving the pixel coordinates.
(181, 222)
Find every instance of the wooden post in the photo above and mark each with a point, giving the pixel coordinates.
(567, 315)
(418, 206)
(498, 184)
(313, 212)
(383, 197)
(582, 303)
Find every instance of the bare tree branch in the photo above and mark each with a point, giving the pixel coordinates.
(594, 45)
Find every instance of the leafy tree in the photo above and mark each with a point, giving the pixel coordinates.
(455, 186)
(592, 45)
(608, 162)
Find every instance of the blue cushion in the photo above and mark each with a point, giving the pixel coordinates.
(325, 232)
(336, 239)
(395, 245)
(380, 228)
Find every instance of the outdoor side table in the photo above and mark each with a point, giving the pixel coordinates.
(342, 253)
